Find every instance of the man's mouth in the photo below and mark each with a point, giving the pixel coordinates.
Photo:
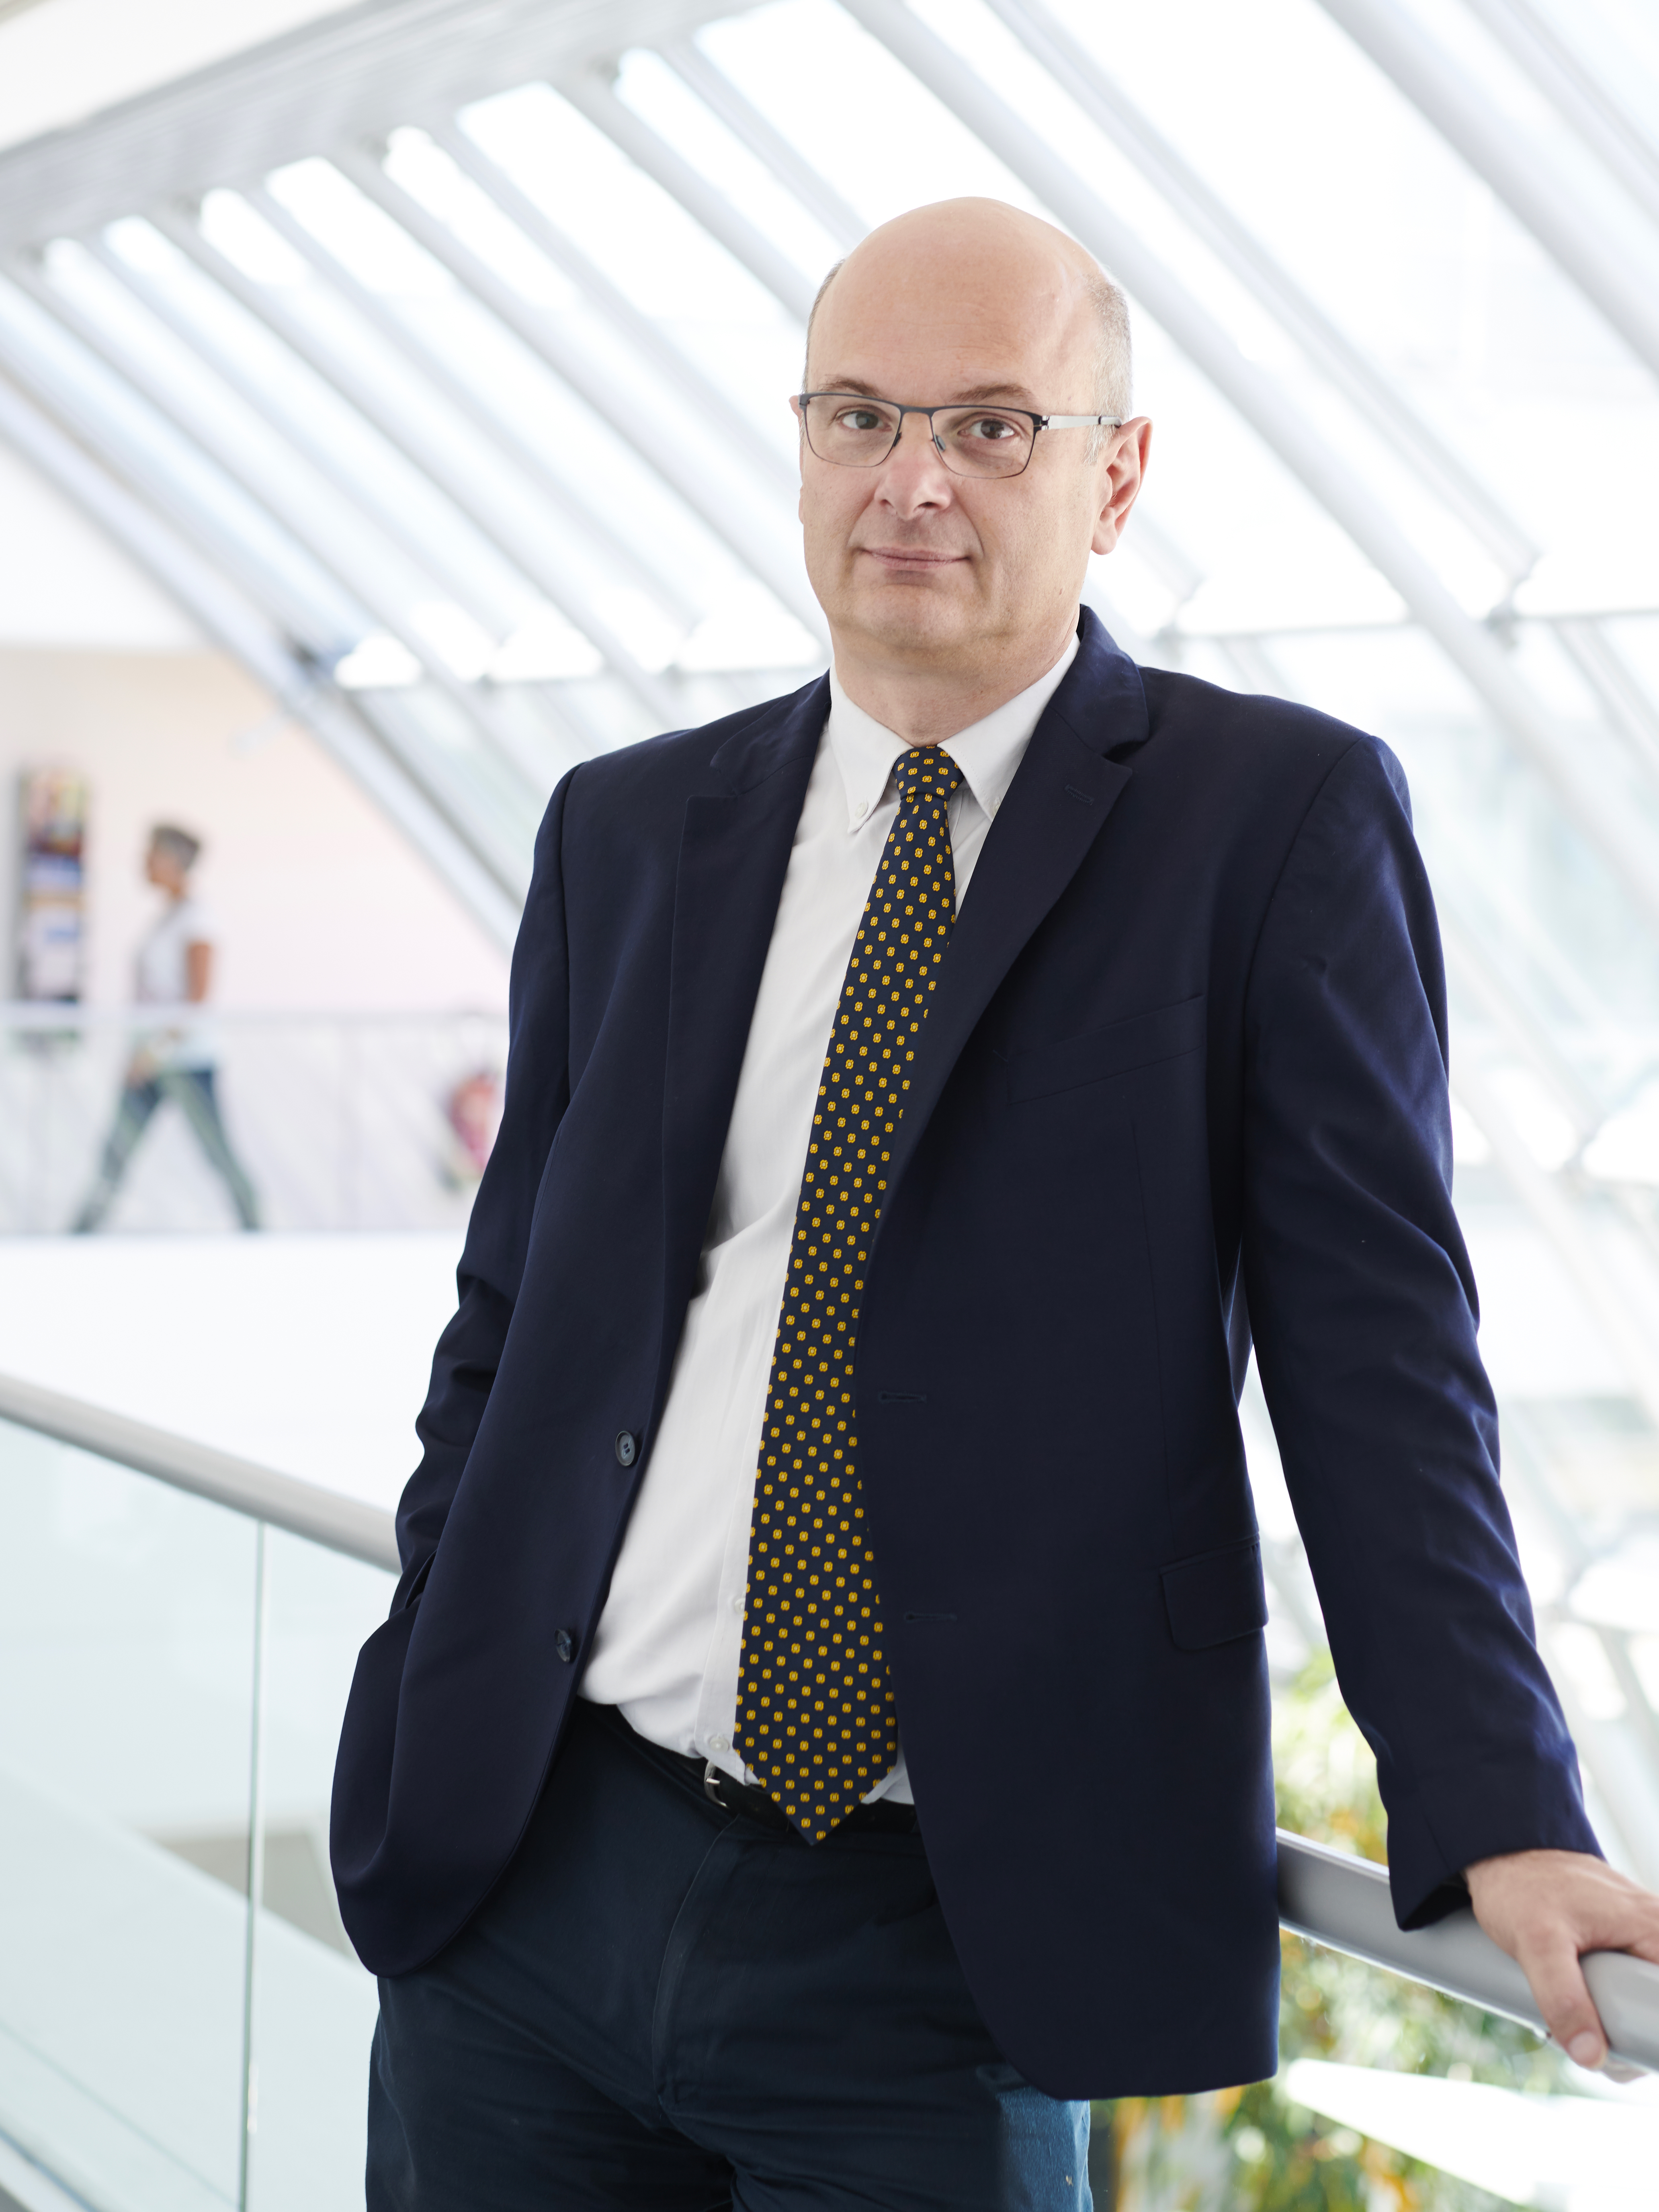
(911, 557)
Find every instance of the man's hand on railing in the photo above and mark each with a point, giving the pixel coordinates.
(1546, 1909)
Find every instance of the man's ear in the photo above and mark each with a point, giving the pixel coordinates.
(1126, 471)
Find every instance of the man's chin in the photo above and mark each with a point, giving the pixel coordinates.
(917, 620)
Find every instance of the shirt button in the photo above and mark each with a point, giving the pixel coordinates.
(720, 1743)
(565, 1644)
(627, 1448)
(737, 1605)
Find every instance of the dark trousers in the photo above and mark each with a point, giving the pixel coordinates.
(196, 1094)
(668, 2008)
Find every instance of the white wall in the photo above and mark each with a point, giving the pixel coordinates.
(321, 903)
(63, 582)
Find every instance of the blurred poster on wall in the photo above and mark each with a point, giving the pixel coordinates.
(51, 912)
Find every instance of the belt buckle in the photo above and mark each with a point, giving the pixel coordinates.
(712, 1778)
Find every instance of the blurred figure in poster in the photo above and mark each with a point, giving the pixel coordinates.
(175, 969)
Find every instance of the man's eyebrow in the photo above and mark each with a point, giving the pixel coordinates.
(971, 395)
(1015, 395)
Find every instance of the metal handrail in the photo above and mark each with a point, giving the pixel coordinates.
(304, 1509)
(1343, 1902)
(34, 1014)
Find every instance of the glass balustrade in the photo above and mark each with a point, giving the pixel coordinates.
(177, 1671)
(339, 1121)
(175, 1676)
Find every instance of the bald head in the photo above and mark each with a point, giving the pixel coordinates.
(982, 263)
(949, 586)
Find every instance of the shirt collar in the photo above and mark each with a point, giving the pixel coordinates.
(987, 752)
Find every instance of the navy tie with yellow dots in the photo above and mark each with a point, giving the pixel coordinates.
(816, 1718)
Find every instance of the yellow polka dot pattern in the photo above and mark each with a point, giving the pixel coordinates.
(816, 1718)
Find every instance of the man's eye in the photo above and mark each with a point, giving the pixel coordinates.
(991, 428)
(860, 419)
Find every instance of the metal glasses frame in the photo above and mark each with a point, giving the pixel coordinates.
(951, 407)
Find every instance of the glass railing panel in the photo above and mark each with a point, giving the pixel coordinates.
(176, 1675)
(337, 1122)
(126, 1640)
(313, 2005)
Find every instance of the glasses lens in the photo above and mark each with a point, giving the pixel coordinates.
(984, 441)
(858, 433)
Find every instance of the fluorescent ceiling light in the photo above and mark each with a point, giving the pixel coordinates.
(1625, 1148)
(747, 629)
(1542, 1127)
(651, 635)
(378, 663)
(464, 646)
(1470, 1146)
(544, 648)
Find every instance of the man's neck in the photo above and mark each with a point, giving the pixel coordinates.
(925, 706)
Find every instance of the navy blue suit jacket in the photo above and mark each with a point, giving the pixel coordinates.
(1186, 1063)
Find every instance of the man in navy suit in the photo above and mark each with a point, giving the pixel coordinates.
(821, 1736)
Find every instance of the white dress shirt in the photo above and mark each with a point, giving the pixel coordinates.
(669, 1641)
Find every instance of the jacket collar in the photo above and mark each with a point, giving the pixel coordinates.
(1102, 699)
(770, 737)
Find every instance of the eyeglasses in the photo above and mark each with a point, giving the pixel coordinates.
(856, 431)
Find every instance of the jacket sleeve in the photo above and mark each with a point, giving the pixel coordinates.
(1364, 1313)
(498, 1235)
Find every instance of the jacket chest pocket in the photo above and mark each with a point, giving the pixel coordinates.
(1142, 1041)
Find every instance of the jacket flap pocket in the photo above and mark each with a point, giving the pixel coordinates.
(1216, 1596)
(1163, 1034)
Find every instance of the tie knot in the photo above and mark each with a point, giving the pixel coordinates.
(926, 773)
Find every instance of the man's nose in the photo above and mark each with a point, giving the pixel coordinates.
(914, 474)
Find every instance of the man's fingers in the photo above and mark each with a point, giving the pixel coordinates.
(1564, 1998)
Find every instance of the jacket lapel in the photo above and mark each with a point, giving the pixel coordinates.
(734, 851)
(1065, 789)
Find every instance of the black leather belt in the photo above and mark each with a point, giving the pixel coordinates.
(703, 1776)
(734, 1796)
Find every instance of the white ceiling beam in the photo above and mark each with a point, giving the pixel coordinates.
(766, 554)
(590, 91)
(514, 546)
(1535, 188)
(1578, 94)
(290, 511)
(584, 521)
(476, 702)
(765, 142)
(1378, 401)
(1284, 427)
(355, 75)
(645, 337)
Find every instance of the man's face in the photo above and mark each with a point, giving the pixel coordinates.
(915, 566)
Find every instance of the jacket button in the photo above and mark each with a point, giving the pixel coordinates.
(565, 1644)
(627, 1448)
